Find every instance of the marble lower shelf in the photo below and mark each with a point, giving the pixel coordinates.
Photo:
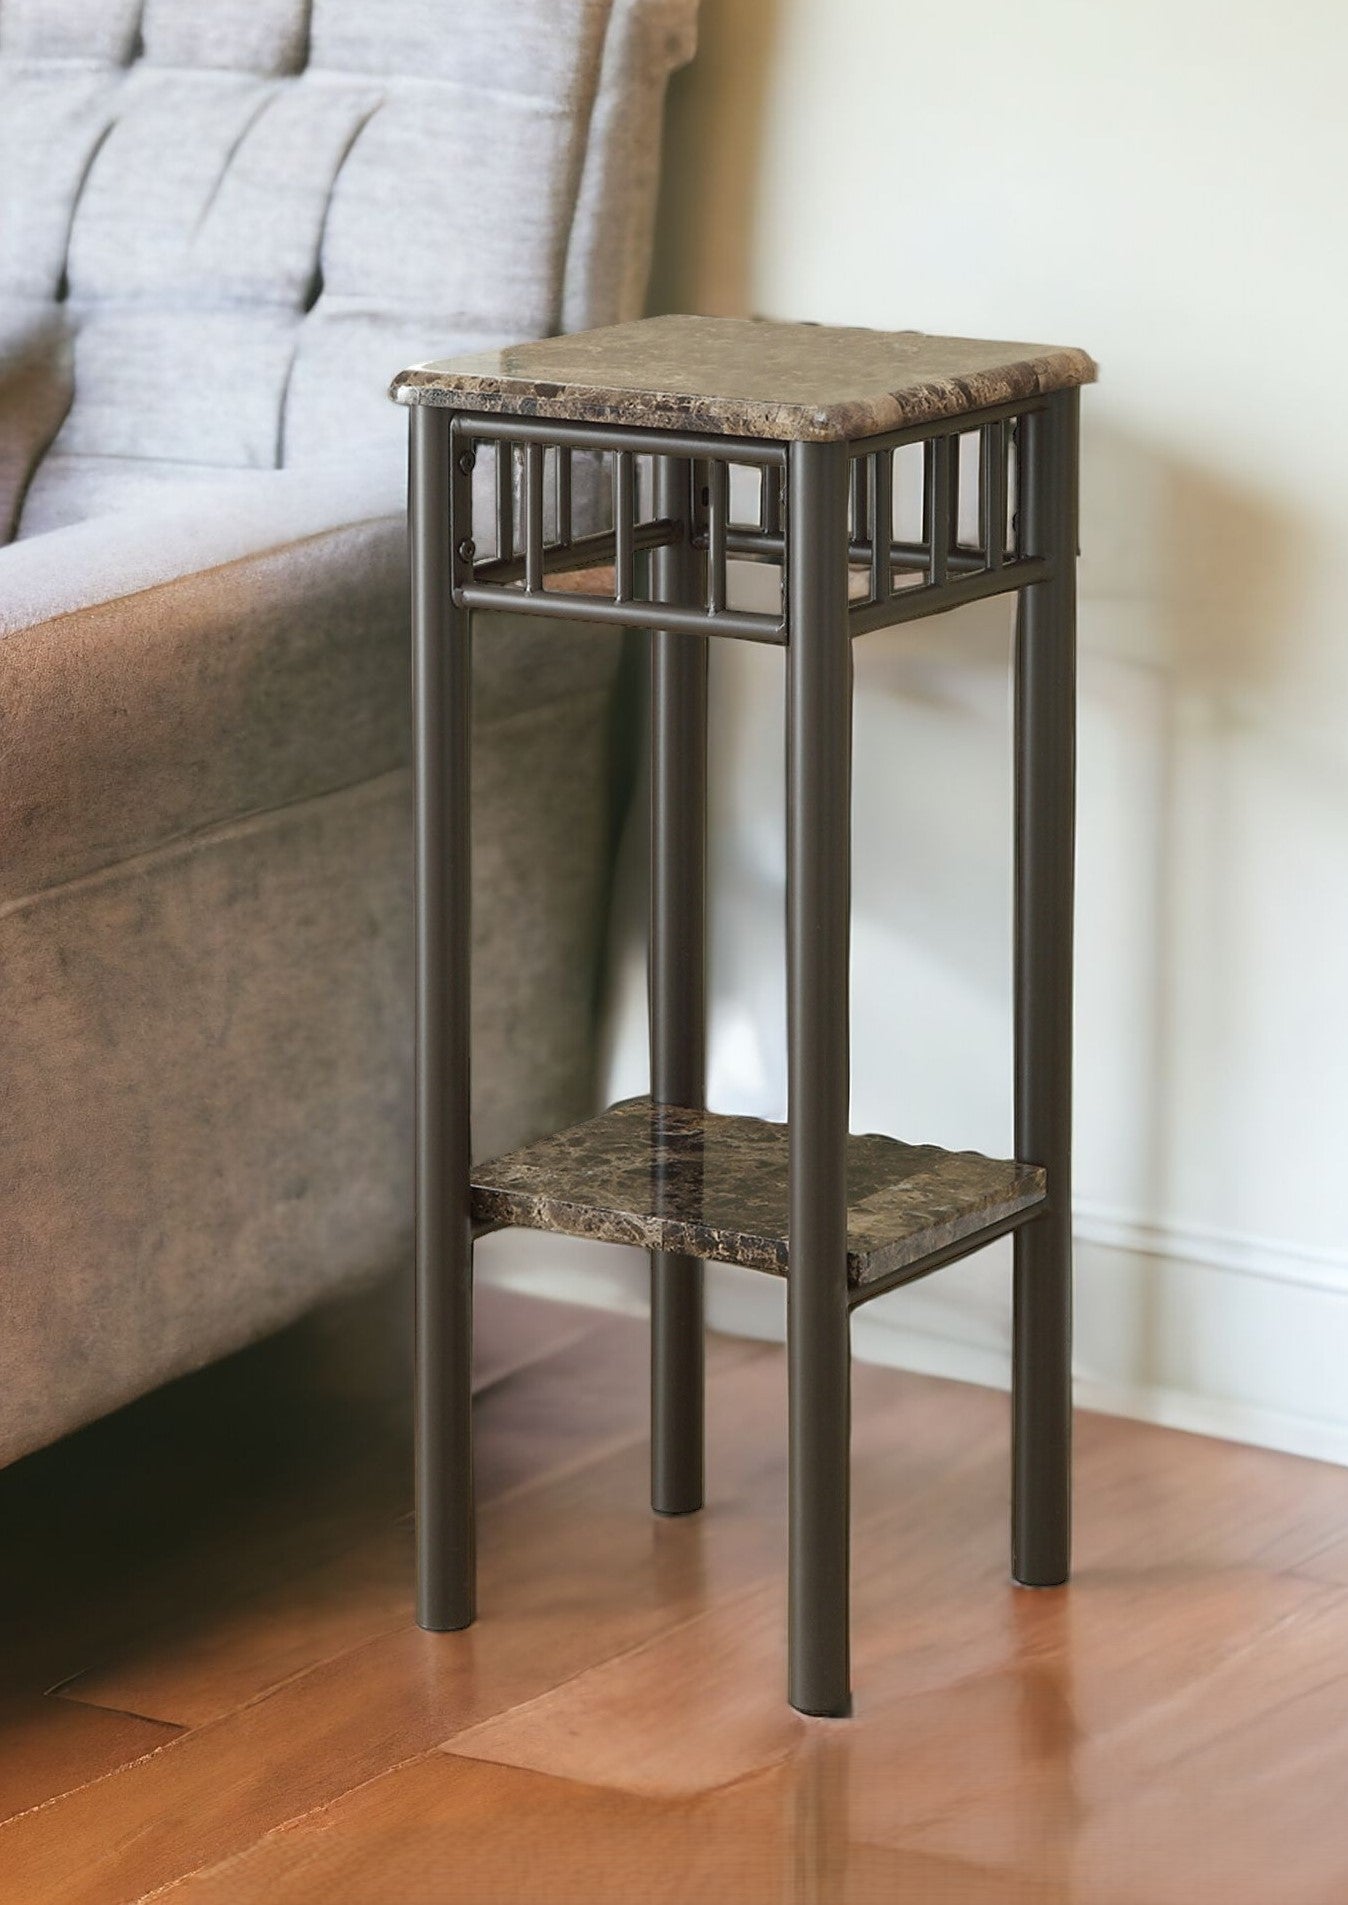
(707, 1185)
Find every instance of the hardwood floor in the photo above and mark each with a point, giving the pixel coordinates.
(212, 1688)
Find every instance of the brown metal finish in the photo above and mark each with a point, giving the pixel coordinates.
(824, 513)
(678, 985)
(440, 487)
(1045, 729)
(818, 903)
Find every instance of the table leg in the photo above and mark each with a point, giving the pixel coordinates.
(819, 755)
(440, 506)
(679, 665)
(1045, 748)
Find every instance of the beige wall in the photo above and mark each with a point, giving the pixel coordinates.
(1164, 185)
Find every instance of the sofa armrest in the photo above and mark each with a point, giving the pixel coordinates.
(244, 651)
(131, 552)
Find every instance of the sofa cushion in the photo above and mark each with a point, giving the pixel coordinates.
(207, 1057)
(52, 121)
(231, 216)
(69, 29)
(148, 383)
(347, 344)
(245, 649)
(489, 256)
(245, 36)
(487, 47)
(252, 212)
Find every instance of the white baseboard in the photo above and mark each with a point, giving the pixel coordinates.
(1230, 1421)
(1214, 1334)
(1194, 1329)
(1318, 1439)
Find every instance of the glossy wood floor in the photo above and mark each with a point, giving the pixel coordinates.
(212, 1688)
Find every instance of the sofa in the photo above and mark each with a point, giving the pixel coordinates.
(222, 228)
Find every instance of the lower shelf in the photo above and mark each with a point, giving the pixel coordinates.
(706, 1185)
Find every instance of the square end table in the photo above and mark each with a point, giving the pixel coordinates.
(894, 475)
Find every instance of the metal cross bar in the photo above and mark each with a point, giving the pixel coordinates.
(505, 498)
(1020, 463)
(936, 512)
(718, 509)
(859, 498)
(911, 605)
(938, 1259)
(567, 607)
(992, 493)
(757, 451)
(624, 525)
(533, 518)
(597, 550)
(770, 501)
(565, 527)
(882, 520)
(754, 545)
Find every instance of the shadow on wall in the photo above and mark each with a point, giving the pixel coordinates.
(715, 113)
(1184, 585)
(1201, 767)
(1190, 596)
(1190, 586)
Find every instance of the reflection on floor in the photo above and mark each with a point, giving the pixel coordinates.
(212, 1682)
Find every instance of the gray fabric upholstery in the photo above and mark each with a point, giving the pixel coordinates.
(260, 197)
(234, 689)
(208, 1073)
(103, 30)
(221, 229)
(36, 382)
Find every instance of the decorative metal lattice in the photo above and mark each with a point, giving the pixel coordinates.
(951, 487)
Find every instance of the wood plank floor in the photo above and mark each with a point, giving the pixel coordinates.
(212, 1689)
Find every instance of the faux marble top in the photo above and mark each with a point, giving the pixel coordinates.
(746, 377)
(708, 1185)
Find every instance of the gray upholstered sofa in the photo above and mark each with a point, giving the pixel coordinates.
(223, 225)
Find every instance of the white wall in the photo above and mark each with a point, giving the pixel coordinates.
(1163, 185)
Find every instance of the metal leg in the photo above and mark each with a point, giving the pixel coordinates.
(1041, 1511)
(678, 990)
(442, 667)
(819, 754)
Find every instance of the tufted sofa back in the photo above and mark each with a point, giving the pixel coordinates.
(225, 223)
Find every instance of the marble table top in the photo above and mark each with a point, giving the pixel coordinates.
(746, 377)
(710, 1185)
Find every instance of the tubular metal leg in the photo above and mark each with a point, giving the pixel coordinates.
(1045, 722)
(819, 753)
(678, 989)
(442, 666)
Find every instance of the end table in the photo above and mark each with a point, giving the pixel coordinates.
(824, 423)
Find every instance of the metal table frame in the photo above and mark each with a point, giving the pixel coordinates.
(823, 512)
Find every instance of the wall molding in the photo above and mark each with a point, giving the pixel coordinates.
(882, 1339)
(1309, 1436)
(1237, 1402)
(1271, 1259)
(1238, 1406)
